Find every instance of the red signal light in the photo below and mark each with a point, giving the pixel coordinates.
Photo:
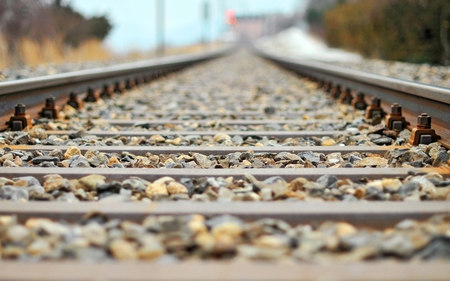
(230, 17)
(230, 13)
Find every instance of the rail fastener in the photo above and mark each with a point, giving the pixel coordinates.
(335, 91)
(374, 109)
(359, 101)
(118, 88)
(91, 95)
(423, 133)
(130, 84)
(107, 92)
(74, 101)
(346, 96)
(50, 110)
(20, 120)
(395, 120)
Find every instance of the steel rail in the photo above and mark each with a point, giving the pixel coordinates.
(355, 174)
(414, 97)
(33, 91)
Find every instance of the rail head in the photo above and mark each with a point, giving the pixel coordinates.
(436, 93)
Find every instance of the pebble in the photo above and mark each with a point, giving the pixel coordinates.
(159, 187)
(92, 181)
(71, 151)
(90, 188)
(195, 237)
(176, 188)
(123, 250)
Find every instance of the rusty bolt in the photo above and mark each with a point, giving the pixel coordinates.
(50, 102)
(376, 102)
(90, 97)
(73, 96)
(396, 109)
(19, 110)
(424, 121)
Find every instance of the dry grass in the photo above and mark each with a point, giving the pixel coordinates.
(32, 53)
(92, 50)
(3, 54)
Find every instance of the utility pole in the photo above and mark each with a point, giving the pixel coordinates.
(205, 21)
(160, 18)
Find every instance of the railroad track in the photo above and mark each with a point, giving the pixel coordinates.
(233, 169)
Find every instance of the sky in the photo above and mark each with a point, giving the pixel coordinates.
(134, 21)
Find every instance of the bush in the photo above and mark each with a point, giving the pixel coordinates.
(403, 30)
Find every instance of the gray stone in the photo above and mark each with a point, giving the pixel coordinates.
(288, 156)
(38, 160)
(438, 248)
(349, 198)
(397, 244)
(273, 180)
(22, 139)
(13, 193)
(310, 156)
(202, 160)
(408, 188)
(441, 159)
(135, 184)
(67, 197)
(327, 181)
(79, 161)
(30, 180)
(383, 141)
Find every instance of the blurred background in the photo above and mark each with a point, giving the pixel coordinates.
(34, 32)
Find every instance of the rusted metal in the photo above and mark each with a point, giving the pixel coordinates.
(320, 84)
(208, 150)
(129, 84)
(107, 92)
(374, 109)
(118, 88)
(74, 101)
(395, 120)
(224, 271)
(138, 81)
(423, 133)
(346, 96)
(50, 110)
(355, 174)
(20, 120)
(326, 87)
(335, 91)
(91, 95)
(359, 102)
